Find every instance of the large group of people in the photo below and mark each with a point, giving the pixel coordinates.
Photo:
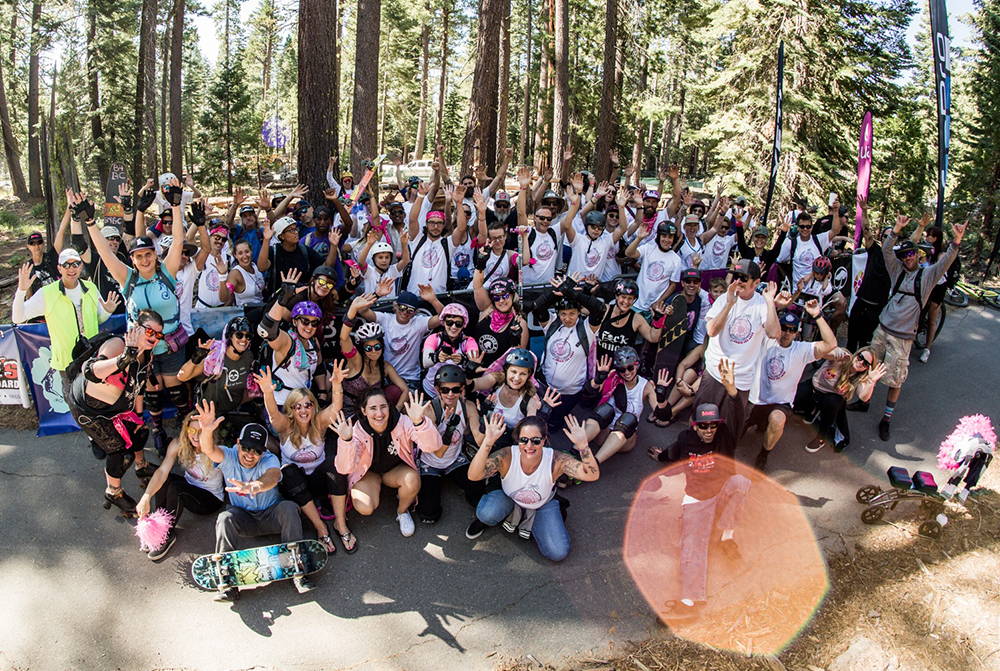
(452, 331)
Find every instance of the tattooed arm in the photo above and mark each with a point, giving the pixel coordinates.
(586, 467)
(484, 464)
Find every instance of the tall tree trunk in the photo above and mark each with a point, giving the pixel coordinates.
(227, 108)
(93, 89)
(364, 131)
(607, 121)
(542, 103)
(425, 56)
(141, 166)
(560, 102)
(337, 63)
(176, 54)
(481, 130)
(680, 119)
(638, 146)
(524, 146)
(10, 144)
(443, 81)
(667, 132)
(46, 173)
(34, 149)
(164, 157)
(503, 87)
(317, 106)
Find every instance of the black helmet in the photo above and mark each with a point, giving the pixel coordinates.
(626, 287)
(565, 304)
(666, 228)
(520, 357)
(235, 325)
(449, 374)
(325, 271)
(904, 247)
(624, 356)
(595, 218)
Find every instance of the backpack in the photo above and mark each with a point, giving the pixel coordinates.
(85, 350)
(404, 279)
(134, 280)
(917, 293)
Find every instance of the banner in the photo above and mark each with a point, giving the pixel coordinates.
(864, 174)
(941, 44)
(46, 382)
(13, 384)
(776, 149)
(859, 261)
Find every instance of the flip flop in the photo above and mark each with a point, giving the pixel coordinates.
(350, 540)
(328, 544)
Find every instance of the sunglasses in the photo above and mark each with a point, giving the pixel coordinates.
(790, 329)
(534, 441)
(405, 308)
(910, 254)
(741, 277)
(374, 347)
(500, 297)
(252, 450)
(501, 206)
(72, 264)
(805, 227)
(304, 405)
(193, 430)
(626, 369)
(114, 238)
(451, 390)
(34, 242)
(308, 322)
(866, 362)
(154, 334)
(611, 214)
(706, 426)
(242, 335)
(542, 218)
(456, 323)
(323, 282)
(692, 280)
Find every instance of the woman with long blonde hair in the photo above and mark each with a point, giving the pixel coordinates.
(306, 473)
(201, 489)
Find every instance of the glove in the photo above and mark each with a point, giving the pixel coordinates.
(479, 260)
(661, 393)
(197, 214)
(471, 368)
(127, 202)
(173, 194)
(146, 199)
(199, 355)
(84, 211)
(600, 376)
(288, 295)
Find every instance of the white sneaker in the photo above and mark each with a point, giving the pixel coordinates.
(925, 355)
(406, 525)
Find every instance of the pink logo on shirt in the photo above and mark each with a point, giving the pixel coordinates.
(544, 251)
(561, 351)
(740, 330)
(719, 247)
(399, 344)
(432, 255)
(775, 368)
(305, 455)
(655, 271)
(592, 259)
(527, 497)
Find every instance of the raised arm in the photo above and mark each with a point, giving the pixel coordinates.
(115, 266)
(209, 423)
(485, 465)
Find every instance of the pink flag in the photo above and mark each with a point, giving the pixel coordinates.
(864, 173)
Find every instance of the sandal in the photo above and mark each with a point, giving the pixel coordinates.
(349, 542)
(328, 544)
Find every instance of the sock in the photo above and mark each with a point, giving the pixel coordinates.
(890, 407)
(727, 534)
(687, 602)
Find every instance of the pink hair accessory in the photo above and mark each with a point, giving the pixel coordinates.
(435, 214)
(968, 427)
(153, 529)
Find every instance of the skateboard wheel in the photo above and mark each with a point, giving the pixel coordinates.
(292, 545)
(930, 529)
(216, 557)
(867, 493)
(872, 515)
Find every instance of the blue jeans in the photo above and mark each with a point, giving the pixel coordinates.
(549, 531)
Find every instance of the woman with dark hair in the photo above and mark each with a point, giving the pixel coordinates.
(295, 355)
(500, 326)
(245, 282)
(370, 369)
(528, 472)
(379, 446)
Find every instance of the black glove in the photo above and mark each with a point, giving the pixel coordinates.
(661, 393)
(127, 202)
(146, 199)
(471, 368)
(173, 194)
(127, 358)
(199, 355)
(600, 376)
(479, 260)
(84, 211)
(289, 295)
(197, 214)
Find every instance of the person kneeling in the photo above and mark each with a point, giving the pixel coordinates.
(528, 472)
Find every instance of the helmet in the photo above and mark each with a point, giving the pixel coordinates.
(502, 286)
(165, 242)
(368, 331)
(449, 373)
(306, 309)
(565, 304)
(235, 325)
(903, 248)
(822, 266)
(325, 271)
(520, 357)
(456, 310)
(381, 247)
(697, 204)
(666, 228)
(594, 219)
(624, 356)
(626, 288)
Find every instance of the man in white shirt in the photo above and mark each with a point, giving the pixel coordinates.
(804, 248)
(659, 266)
(590, 251)
(779, 370)
(737, 326)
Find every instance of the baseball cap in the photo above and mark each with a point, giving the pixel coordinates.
(141, 243)
(248, 209)
(501, 197)
(551, 195)
(408, 298)
(282, 225)
(761, 230)
(789, 318)
(110, 232)
(35, 237)
(651, 194)
(690, 274)
(395, 203)
(741, 201)
(707, 412)
(747, 267)
(253, 438)
(69, 254)
(692, 219)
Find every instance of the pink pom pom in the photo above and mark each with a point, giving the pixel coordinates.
(968, 426)
(153, 529)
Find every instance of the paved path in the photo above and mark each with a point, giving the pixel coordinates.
(78, 594)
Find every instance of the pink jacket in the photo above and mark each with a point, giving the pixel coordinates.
(354, 457)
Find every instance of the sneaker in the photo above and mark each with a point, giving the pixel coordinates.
(160, 553)
(761, 462)
(510, 524)
(475, 529)
(303, 584)
(841, 445)
(858, 406)
(925, 355)
(232, 594)
(815, 445)
(883, 429)
(406, 525)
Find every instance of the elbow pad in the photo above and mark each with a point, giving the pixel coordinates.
(267, 328)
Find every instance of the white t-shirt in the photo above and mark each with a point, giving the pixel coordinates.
(307, 455)
(740, 339)
(184, 290)
(688, 250)
(402, 342)
(429, 265)
(612, 268)
(657, 270)
(565, 362)
(546, 254)
(589, 256)
(373, 275)
(816, 288)
(497, 267)
(205, 474)
(716, 254)
(779, 370)
(805, 253)
(461, 257)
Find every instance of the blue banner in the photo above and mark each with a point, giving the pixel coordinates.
(941, 48)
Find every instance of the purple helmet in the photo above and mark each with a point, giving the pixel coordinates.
(306, 309)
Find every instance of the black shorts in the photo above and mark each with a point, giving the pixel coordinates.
(759, 414)
(937, 293)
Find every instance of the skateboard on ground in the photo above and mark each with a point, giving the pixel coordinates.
(258, 566)
(919, 488)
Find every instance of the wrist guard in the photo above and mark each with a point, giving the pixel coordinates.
(544, 411)
(479, 260)
(288, 295)
(661, 393)
(127, 203)
(146, 199)
(471, 368)
(199, 355)
(268, 329)
(600, 376)
(197, 214)
(127, 358)
(173, 194)
(84, 211)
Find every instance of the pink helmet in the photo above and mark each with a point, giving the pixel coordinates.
(306, 309)
(456, 310)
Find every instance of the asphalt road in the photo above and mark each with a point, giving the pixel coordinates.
(79, 594)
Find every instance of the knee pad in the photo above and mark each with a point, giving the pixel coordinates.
(118, 463)
(603, 414)
(178, 396)
(152, 400)
(627, 424)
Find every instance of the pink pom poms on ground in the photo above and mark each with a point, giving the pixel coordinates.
(153, 529)
(967, 427)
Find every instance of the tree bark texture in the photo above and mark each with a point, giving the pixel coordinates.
(543, 108)
(524, 146)
(481, 130)
(560, 102)
(364, 131)
(93, 90)
(317, 106)
(34, 153)
(425, 56)
(10, 148)
(141, 167)
(503, 87)
(443, 81)
(608, 117)
(176, 60)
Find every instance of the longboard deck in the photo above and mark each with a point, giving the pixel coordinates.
(256, 566)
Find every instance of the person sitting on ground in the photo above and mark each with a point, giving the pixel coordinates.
(713, 499)
(379, 447)
(528, 471)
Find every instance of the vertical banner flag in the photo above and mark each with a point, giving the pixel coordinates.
(13, 385)
(942, 81)
(776, 149)
(45, 381)
(114, 211)
(864, 173)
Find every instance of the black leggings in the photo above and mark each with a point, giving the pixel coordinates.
(104, 435)
(862, 324)
(178, 494)
(832, 409)
(302, 488)
(429, 501)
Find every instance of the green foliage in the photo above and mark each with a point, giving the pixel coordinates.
(38, 211)
(8, 219)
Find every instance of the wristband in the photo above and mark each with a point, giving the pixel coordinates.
(349, 322)
(423, 420)
(658, 322)
(232, 289)
(600, 376)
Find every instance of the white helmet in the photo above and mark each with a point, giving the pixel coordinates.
(165, 242)
(380, 247)
(368, 331)
(282, 225)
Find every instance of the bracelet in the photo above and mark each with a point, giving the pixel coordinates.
(423, 420)
(229, 285)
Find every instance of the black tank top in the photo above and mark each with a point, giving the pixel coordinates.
(493, 345)
(615, 333)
